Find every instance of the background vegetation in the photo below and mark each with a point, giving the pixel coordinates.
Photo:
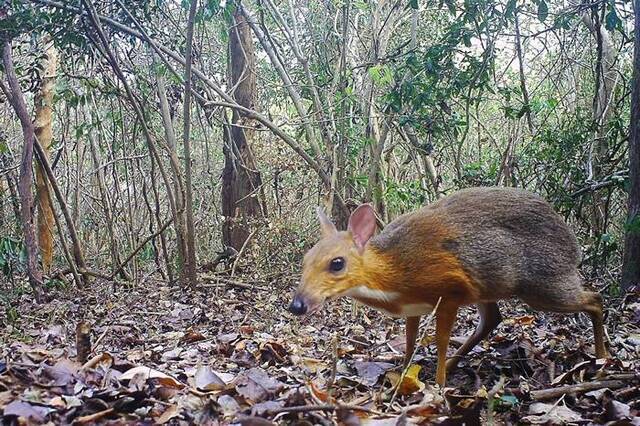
(297, 104)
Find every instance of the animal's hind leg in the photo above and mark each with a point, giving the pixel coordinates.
(576, 300)
(489, 319)
(593, 307)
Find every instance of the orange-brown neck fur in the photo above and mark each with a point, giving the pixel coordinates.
(413, 275)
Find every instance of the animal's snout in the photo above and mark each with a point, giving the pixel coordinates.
(297, 306)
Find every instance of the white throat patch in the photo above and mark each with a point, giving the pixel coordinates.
(365, 292)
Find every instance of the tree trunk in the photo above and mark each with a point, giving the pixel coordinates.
(341, 172)
(114, 245)
(190, 264)
(43, 125)
(523, 83)
(606, 79)
(174, 161)
(241, 181)
(631, 265)
(14, 94)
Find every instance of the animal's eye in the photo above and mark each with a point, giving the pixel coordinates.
(337, 264)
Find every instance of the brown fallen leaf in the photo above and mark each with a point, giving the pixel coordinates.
(168, 414)
(104, 359)
(192, 336)
(370, 372)
(525, 320)
(29, 412)
(319, 394)
(256, 385)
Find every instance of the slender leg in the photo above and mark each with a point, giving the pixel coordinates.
(593, 308)
(411, 331)
(445, 318)
(489, 319)
(583, 301)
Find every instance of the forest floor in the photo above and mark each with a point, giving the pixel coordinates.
(229, 352)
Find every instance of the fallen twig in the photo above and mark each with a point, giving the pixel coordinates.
(326, 407)
(93, 417)
(543, 394)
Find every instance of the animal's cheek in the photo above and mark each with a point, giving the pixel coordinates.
(337, 288)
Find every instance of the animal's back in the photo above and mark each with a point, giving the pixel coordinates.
(510, 241)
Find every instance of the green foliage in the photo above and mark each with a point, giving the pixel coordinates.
(55, 284)
(381, 75)
(12, 257)
(633, 224)
(147, 252)
(611, 19)
(404, 196)
(543, 10)
(11, 312)
(448, 70)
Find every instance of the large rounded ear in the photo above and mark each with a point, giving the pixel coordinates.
(362, 225)
(326, 226)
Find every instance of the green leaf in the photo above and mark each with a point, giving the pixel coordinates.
(510, 9)
(451, 5)
(381, 75)
(543, 10)
(413, 4)
(611, 20)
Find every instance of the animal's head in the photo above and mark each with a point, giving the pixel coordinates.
(335, 264)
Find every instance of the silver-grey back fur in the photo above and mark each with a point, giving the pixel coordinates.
(510, 240)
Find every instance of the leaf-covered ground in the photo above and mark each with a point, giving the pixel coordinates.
(229, 352)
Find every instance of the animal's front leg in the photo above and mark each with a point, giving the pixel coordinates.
(445, 318)
(411, 332)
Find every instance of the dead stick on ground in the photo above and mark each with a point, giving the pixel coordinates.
(413, 354)
(99, 339)
(541, 395)
(93, 417)
(328, 407)
(334, 365)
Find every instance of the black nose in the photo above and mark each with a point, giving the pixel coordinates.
(297, 306)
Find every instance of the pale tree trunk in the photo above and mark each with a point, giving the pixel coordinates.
(339, 190)
(425, 150)
(606, 79)
(377, 130)
(241, 181)
(14, 94)
(523, 82)
(631, 265)
(174, 161)
(190, 264)
(105, 196)
(43, 129)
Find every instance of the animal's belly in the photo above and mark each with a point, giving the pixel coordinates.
(410, 310)
(388, 302)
